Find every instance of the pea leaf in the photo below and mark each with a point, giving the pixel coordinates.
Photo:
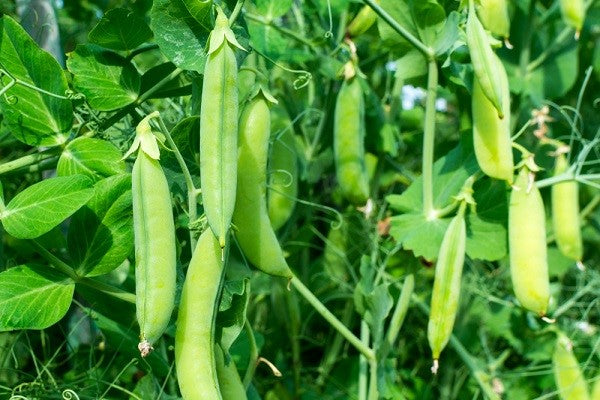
(95, 158)
(33, 297)
(101, 233)
(273, 8)
(32, 117)
(180, 37)
(120, 29)
(201, 11)
(42, 206)
(108, 80)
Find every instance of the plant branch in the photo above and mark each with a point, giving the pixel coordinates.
(429, 140)
(236, 11)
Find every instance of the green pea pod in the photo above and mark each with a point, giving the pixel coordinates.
(365, 18)
(573, 12)
(194, 337)
(527, 245)
(446, 286)
(155, 246)
(348, 142)
(218, 129)
(283, 168)
(491, 134)
(569, 378)
(494, 16)
(255, 234)
(565, 213)
(230, 383)
(483, 60)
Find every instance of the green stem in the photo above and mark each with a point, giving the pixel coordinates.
(429, 140)
(142, 49)
(590, 207)
(331, 356)
(27, 85)
(373, 391)
(66, 269)
(562, 36)
(25, 161)
(236, 11)
(189, 182)
(285, 31)
(253, 358)
(363, 365)
(332, 319)
(427, 51)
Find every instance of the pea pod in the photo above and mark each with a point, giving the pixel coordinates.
(573, 13)
(283, 168)
(483, 60)
(218, 129)
(194, 337)
(365, 18)
(230, 383)
(154, 232)
(446, 285)
(348, 142)
(565, 213)
(254, 232)
(491, 134)
(527, 244)
(494, 16)
(569, 378)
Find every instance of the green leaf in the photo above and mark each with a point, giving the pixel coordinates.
(449, 34)
(201, 10)
(401, 11)
(487, 228)
(42, 206)
(273, 8)
(95, 158)
(416, 233)
(33, 297)
(146, 388)
(172, 88)
(120, 29)
(429, 18)
(267, 40)
(236, 294)
(556, 76)
(180, 37)
(101, 233)
(108, 80)
(32, 117)
(411, 65)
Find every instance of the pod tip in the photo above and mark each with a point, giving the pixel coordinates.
(435, 366)
(145, 348)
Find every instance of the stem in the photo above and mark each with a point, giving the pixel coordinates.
(142, 49)
(192, 191)
(590, 207)
(429, 139)
(253, 359)
(24, 161)
(427, 51)
(331, 356)
(373, 391)
(236, 11)
(285, 31)
(55, 261)
(363, 366)
(564, 34)
(332, 319)
(27, 85)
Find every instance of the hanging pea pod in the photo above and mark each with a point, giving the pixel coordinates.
(527, 244)
(565, 213)
(155, 243)
(365, 18)
(494, 16)
(218, 128)
(573, 12)
(195, 335)
(230, 383)
(483, 60)
(348, 139)
(283, 169)
(491, 134)
(569, 378)
(254, 232)
(446, 286)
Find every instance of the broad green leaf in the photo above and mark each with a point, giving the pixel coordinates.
(101, 233)
(268, 40)
(449, 34)
(180, 37)
(401, 11)
(429, 17)
(42, 206)
(273, 8)
(174, 88)
(556, 76)
(95, 158)
(201, 10)
(411, 65)
(32, 117)
(146, 388)
(33, 297)
(487, 228)
(232, 318)
(108, 80)
(416, 233)
(120, 29)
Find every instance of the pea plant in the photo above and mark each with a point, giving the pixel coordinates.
(299, 199)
